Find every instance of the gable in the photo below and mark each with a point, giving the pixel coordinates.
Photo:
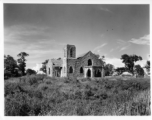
(54, 62)
(84, 54)
(57, 62)
(93, 57)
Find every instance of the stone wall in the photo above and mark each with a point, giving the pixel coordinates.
(49, 65)
(56, 72)
(69, 49)
(64, 68)
(83, 61)
(71, 63)
(76, 64)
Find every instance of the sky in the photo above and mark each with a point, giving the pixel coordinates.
(42, 30)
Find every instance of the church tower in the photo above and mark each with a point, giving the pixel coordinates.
(69, 53)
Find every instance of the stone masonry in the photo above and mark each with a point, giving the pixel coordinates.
(84, 66)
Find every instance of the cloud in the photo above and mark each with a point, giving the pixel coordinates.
(142, 63)
(148, 56)
(117, 62)
(121, 42)
(25, 33)
(123, 45)
(105, 9)
(145, 40)
(124, 48)
(111, 50)
(97, 49)
(101, 35)
(30, 36)
(34, 40)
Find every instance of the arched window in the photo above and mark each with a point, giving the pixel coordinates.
(71, 52)
(81, 70)
(70, 70)
(49, 70)
(89, 62)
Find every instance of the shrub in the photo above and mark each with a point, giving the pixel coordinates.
(40, 95)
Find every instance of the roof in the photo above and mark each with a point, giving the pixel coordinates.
(81, 55)
(115, 73)
(126, 73)
(56, 62)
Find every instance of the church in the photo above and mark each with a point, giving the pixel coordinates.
(87, 65)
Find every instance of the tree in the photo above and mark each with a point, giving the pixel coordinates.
(148, 66)
(10, 66)
(139, 70)
(109, 69)
(129, 61)
(103, 61)
(21, 61)
(30, 72)
(120, 70)
(44, 66)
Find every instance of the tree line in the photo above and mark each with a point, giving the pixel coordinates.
(129, 62)
(16, 68)
(129, 66)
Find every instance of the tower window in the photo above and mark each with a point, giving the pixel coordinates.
(71, 52)
(70, 70)
(89, 62)
(49, 70)
(81, 70)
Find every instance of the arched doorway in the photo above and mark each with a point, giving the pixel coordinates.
(97, 73)
(89, 73)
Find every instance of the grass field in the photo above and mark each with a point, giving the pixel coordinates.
(38, 95)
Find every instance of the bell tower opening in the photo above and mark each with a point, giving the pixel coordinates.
(70, 51)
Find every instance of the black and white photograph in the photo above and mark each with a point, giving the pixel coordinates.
(65, 59)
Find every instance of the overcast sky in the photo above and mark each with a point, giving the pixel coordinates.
(41, 30)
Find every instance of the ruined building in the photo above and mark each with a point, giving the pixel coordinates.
(86, 65)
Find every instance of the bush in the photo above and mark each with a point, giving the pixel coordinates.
(7, 74)
(40, 95)
(32, 79)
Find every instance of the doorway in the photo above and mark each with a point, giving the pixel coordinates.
(97, 73)
(89, 73)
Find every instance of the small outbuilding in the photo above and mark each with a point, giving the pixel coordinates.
(126, 74)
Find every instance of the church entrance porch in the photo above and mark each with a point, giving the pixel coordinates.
(57, 71)
(88, 72)
(97, 73)
(93, 71)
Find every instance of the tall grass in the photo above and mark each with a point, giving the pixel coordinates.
(40, 95)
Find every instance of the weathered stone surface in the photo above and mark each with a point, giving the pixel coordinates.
(89, 63)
